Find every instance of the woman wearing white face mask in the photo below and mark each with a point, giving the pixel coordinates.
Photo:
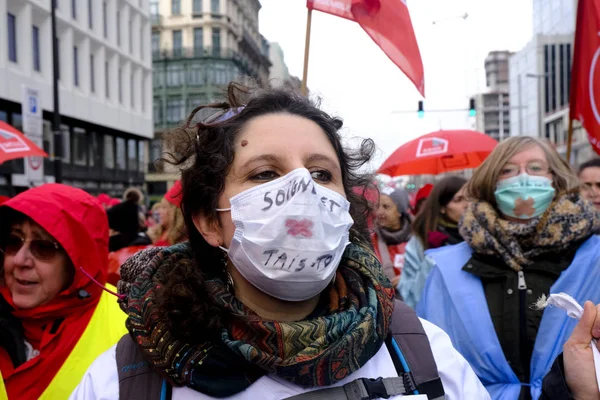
(276, 294)
(527, 233)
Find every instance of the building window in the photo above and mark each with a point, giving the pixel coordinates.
(197, 7)
(12, 37)
(155, 150)
(142, 44)
(104, 19)
(215, 7)
(118, 28)
(546, 79)
(106, 80)
(553, 75)
(90, 15)
(157, 114)
(35, 38)
(130, 36)
(75, 66)
(176, 7)
(143, 95)
(198, 41)
(94, 155)
(142, 155)
(561, 70)
(216, 41)
(221, 74)
(155, 44)
(196, 75)
(132, 159)
(66, 144)
(568, 79)
(109, 152)
(195, 101)
(120, 83)
(175, 75)
(121, 161)
(177, 43)
(132, 89)
(79, 147)
(174, 110)
(154, 7)
(92, 75)
(48, 137)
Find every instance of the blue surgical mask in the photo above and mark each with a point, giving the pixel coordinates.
(524, 196)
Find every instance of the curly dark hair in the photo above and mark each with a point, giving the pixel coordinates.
(204, 152)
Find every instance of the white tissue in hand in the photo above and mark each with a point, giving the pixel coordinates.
(574, 310)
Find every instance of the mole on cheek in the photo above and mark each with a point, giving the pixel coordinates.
(244, 143)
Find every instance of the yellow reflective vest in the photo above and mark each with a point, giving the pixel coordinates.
(104, 330)
(3, 395)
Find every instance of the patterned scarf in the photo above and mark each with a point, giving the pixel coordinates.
(568, 220)
(346, 330)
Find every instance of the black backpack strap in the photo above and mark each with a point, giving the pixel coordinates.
(137, 379)
(409, 347)
(359, 389)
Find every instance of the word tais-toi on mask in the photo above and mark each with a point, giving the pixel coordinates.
(279, 260)
(284, 195)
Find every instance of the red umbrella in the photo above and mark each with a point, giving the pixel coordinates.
(14, 144)
(439, 152)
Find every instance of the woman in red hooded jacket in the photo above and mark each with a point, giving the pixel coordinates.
(55, 317)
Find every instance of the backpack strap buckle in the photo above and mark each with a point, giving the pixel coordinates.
(375, 388)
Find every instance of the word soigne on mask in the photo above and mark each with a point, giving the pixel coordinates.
(282, 196)
(297, 263)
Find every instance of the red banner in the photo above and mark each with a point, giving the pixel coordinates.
(388, 23)
(585, 74)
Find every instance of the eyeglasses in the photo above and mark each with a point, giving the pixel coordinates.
(43, 250)
(535, 168)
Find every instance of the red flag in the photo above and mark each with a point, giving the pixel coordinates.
(389, 25)
(585, 74)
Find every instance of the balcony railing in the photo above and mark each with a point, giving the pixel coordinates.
(193, 52)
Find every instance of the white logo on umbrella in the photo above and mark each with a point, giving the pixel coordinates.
(432, 146)
(11, 143)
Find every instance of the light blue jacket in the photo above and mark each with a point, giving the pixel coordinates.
(455, 301)
(414, 273)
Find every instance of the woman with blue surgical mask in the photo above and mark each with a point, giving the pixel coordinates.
(277, 293)
(527, 233)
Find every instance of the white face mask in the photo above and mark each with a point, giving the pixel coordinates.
(290, 235)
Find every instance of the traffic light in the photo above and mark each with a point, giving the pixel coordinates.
(472, 110)
(420, 111)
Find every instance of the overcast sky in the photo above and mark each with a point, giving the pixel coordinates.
(359, 83)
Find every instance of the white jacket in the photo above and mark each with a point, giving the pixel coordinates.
(101, 380)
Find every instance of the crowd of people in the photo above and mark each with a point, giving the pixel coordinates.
(274, 269)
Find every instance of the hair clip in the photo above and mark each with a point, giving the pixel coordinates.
(221, 116)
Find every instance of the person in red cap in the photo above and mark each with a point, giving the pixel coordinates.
(171, 227)
(422, 195)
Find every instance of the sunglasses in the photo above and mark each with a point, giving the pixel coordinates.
(43, 250)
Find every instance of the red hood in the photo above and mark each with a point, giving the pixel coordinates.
(77, 221)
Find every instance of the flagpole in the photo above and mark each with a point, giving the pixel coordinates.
(569, 139)
(306, 52)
